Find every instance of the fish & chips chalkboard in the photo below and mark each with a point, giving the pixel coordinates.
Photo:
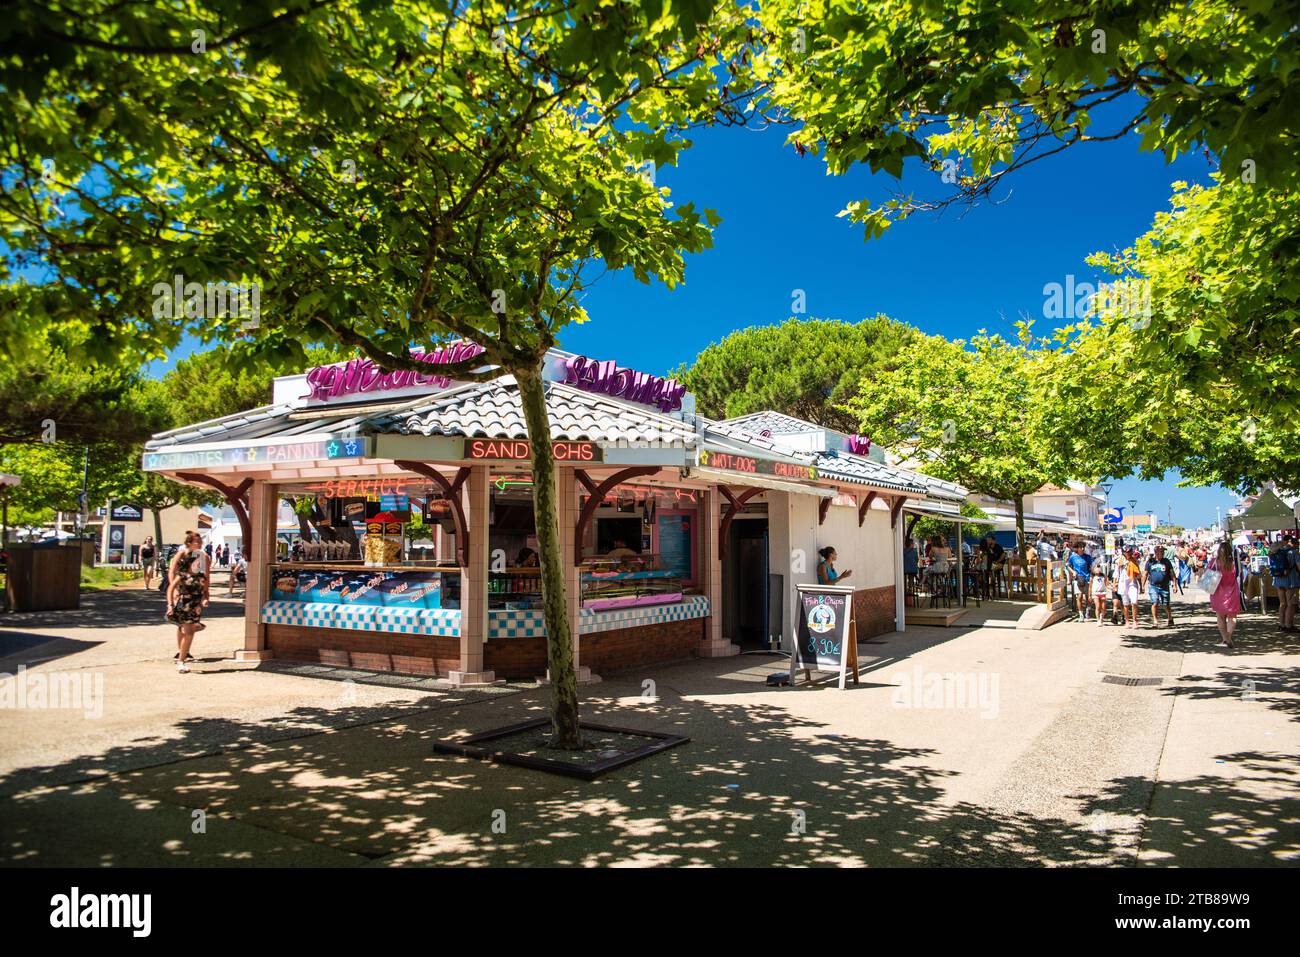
(826, 638)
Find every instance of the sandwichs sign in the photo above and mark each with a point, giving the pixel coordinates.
(519, 450)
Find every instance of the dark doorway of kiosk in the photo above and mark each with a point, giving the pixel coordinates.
(745, 572)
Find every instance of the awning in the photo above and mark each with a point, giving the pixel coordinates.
(722, 477)
(948, 511)
(1270, 513)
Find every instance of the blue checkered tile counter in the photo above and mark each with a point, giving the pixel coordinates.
(443, 622)
(691, 606)
(516, 624)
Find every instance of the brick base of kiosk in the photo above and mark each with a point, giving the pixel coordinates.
(873, 610)
(517, 658)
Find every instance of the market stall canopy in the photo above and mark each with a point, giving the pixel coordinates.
(934, 508)
(9, 481)
(1269, 513)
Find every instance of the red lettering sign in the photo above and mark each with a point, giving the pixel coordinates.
(519, 450)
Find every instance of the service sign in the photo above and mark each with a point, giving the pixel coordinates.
(518, 450)
(274, 454)
(749, 465)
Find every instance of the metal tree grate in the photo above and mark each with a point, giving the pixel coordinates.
(1132, 682)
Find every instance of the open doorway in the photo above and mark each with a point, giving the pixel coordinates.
(745, 574)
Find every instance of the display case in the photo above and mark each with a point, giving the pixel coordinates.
(357, 584)
(516, 589)
(628, 582)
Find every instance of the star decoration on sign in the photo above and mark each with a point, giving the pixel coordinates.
(332, 450)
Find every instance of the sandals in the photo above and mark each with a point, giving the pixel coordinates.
(182, 668)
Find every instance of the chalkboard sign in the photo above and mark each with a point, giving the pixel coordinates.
(826, 639)
(675, 540)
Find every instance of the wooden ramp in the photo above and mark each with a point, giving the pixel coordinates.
(934, 617)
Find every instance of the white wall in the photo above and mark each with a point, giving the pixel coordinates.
(794, 538)
(868, 550)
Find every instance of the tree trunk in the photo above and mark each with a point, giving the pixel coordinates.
(157, 534)
(555, 610)
(1020, 526)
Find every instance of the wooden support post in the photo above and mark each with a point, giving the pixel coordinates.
(864, 507)
(236, 497)
(597, 496)
(451, 492)
(734, 504)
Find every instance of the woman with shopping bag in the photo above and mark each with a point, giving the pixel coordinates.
(1220, 580)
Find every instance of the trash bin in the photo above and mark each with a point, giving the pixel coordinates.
(44, 577)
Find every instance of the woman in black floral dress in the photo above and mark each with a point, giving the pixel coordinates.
(187, 595)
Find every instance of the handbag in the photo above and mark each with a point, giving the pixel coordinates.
(1210, 580)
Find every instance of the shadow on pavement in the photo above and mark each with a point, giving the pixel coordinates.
(754, 787)
(114, 608)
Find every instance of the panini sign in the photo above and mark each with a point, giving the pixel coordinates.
(257, 454)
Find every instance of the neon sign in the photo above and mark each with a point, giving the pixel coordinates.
(364, 488)
(363, 375)
(520, 450)
(730, 462)
(857, 445)
(607, 378)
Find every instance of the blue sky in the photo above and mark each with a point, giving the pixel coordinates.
(949, 274)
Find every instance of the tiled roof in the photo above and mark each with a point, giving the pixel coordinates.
(775, 422)
(939, 489)
(493, 410)
(856, 468)
(276, 421)
(745, 440)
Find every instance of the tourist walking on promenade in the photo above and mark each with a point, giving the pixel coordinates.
(1100, 590)
(188, 591)
(1158, 574)
(1225, 599)
(1284, 567)
(1080, 566)
(1128, 577)
(148, 555)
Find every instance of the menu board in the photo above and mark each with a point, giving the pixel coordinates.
(826, 639)
(675, 540)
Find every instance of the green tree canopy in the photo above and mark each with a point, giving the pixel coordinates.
(1196, 357)
(379, 174)
(47, 395)
(208, 385)
(970, 413)
(807, 368)
(978, 90)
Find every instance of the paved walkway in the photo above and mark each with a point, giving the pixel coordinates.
(961, 746)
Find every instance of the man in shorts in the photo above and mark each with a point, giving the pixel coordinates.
(1080, 566)
(1158, 576)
